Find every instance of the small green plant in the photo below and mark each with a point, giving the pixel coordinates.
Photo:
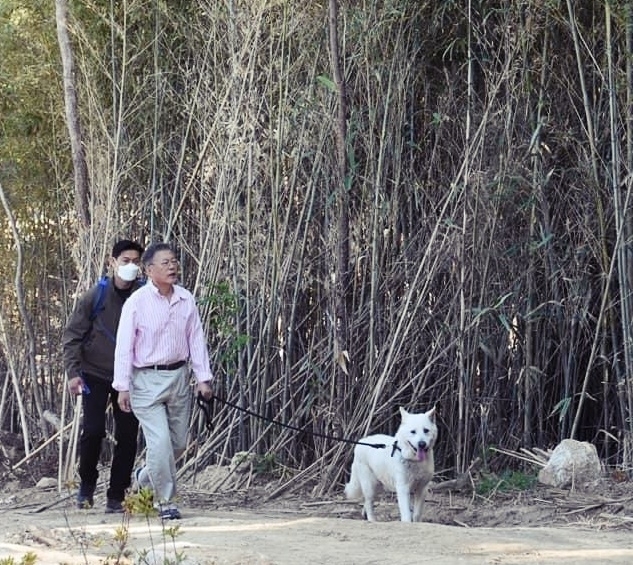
(142, 503)
(265, 464)
(152, 557)
(121, 540)
(223, 308)
(507, 481)
(27, 559)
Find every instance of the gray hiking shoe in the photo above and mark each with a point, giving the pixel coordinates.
(170, 512)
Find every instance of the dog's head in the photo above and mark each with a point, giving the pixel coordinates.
(417, 434)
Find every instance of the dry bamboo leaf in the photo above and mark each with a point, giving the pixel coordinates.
(342, 359)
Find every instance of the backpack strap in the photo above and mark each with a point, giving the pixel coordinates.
(99, 298)
(98, 307)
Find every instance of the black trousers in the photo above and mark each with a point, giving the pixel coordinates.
(93, 431)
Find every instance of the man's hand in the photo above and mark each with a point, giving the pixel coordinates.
(76, 385)
(124, 401)
(205, 390)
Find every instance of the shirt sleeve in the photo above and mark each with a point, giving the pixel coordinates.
(198, 352)
(124, 350)
(75, 333)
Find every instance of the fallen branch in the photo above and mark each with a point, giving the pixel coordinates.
(323, 503)
(584, 508)
(48, 441)
(51, 504)
(616, 517)
(530, 458)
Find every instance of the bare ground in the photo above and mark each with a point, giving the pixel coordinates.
(249, 524)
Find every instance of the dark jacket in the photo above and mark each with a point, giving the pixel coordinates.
(88, 346)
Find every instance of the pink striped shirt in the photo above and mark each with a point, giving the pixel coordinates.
(155, 330)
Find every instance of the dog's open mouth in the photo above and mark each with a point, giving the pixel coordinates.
(420, 452)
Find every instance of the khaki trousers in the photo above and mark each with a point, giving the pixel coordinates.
(161, 400)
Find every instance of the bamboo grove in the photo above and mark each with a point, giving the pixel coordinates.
(378, 203)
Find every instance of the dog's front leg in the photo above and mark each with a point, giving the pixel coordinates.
(404, 501)
(418, 504)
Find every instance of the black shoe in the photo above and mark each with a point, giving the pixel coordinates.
(114, 506)
(85, 496)
(85, 501)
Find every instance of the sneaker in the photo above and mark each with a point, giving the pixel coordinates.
(169, 513)
(85, 501)
(114, 506)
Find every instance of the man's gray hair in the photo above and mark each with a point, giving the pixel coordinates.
(154, 248)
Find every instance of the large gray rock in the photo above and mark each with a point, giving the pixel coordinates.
(571, 463)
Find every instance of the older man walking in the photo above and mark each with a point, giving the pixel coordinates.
(160, 340)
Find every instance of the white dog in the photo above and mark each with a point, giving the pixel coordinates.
(405, 465)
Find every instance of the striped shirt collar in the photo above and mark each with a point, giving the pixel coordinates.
(177, 294)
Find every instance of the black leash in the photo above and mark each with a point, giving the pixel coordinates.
(205, 405)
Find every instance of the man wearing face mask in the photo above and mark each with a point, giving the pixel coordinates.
(88, 341)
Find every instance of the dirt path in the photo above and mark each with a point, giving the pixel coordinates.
(266, 537)
(247, 525)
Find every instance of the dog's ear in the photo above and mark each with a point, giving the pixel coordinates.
(403, 413)
(431, 414)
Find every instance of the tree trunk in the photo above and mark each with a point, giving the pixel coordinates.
(82, 183)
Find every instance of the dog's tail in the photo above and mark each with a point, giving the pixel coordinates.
(352, 489)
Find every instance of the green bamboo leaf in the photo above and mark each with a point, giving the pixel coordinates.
(562, 407)
(327, 82)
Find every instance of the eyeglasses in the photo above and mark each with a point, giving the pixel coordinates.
(167, 263)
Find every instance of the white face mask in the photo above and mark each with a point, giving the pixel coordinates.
(128, 272)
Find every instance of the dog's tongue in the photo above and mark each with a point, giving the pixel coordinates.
(421, 454)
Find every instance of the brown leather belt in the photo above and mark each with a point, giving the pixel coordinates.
(169, 367)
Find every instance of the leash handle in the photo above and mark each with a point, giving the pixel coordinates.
(206, 406)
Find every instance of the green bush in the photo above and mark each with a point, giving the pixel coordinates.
(27, 559)
(506, 481)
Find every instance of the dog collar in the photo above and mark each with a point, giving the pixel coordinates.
(395, 447)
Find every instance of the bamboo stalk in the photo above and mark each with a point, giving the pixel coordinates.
(625, 392)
